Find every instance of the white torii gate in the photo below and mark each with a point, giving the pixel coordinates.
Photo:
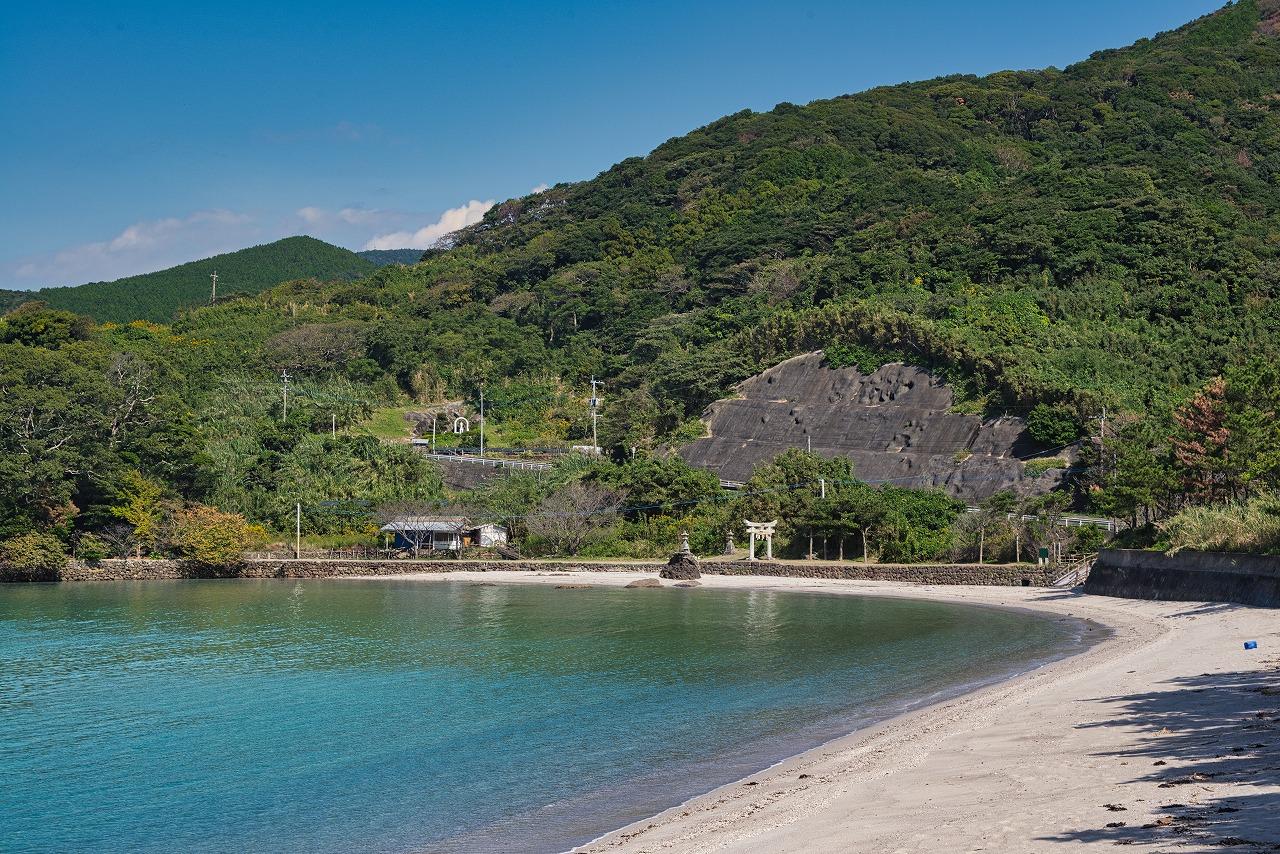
(764, 529)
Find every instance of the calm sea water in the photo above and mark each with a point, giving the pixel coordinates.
(335, 716)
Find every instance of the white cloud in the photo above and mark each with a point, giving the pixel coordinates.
(140, 248)
(541, 188)
(312, 215)
(427, 236)
(350, 216)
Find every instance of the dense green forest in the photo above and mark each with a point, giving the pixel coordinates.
(1057, 243)
(158, 296)
(385, 257)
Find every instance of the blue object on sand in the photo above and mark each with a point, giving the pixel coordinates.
(1250, 644)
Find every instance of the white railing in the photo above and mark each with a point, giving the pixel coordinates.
(492, 462)
(1066, 521)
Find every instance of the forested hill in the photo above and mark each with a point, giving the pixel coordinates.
(383, 257)
(1104, 230)
(158, 296)
(1050, 242)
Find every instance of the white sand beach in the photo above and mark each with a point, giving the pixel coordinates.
(1163, 737)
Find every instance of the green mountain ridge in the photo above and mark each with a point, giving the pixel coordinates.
(1096, 235)
(158, 296)
(1052, 243)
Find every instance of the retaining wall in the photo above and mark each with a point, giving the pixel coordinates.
(142, 570)
(1000, 575)
(1186, 577)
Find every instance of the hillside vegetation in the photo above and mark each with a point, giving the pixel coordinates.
(1053, 242)
(385, 257)
(158, 296)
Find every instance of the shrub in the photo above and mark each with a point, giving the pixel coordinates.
(1252, 526)
(209, 537)
(1040, 465)
(34, 555)
(1054, 426)
(1088, 538)
(92, 549)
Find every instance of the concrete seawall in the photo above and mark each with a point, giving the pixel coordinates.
(143, 570)
(1187, 577)
(1013, 575)
(989, 575)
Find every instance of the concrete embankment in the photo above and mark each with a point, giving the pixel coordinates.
(1187, 577)
(987, 574)
(140, 570)
(143, 570)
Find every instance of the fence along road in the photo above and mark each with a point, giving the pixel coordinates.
(530, 465)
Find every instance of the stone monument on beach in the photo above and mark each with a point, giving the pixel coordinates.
(683, 565)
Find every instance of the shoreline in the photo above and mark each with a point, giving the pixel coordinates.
(1026, 763)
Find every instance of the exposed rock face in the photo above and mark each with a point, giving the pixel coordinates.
(682, 566)
(644, 582)
(893, 423)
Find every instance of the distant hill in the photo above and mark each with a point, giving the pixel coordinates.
(157, 296)
(387, 257)
(12, 299)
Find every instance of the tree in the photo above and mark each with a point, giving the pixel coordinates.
(860, 508)
(1253, 422)
(211, 538)
(34, 555)
(990, 531)
(918, 523)
(659, 485)
(1201, 443)
(138, 502)
(570, 517)
(1053, 425)
(315, 347)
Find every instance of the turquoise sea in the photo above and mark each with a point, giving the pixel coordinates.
(423, 716)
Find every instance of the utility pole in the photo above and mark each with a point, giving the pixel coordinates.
(297, 531)
(482, 422)
(595, 414)
(284, 390)
(333, 425)
(822, 485)
(213, 293)
(1102, 443)
(433, 432)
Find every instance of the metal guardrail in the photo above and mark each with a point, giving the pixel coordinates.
(1067, 521)
(491, 462)
(472, 450)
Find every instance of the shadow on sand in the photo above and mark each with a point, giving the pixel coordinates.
(1212, 745)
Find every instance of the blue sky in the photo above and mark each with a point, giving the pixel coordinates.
(141, 135)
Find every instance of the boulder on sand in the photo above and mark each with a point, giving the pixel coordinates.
(645, 582)
(683, 566)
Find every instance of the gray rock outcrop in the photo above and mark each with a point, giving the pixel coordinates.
(895, 424)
